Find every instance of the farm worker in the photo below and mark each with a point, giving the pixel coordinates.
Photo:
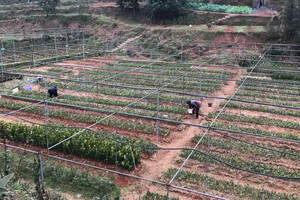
(52, 91)
(195, 105)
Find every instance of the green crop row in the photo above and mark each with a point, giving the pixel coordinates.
(227, 187)
(257, 120)
(86, 145)
(219, 8)
(255, 131)
(282, 103)
(155, 68)
(57, 176)
(180, 67)
(100, 108)
(243, 164)
(268, 96)
(254, 86)
(155, 196)
(152, 77)
(158, 82)
(272, 90)
(144, 106)
(122, 124)
(263, 109)
(121, 92)
(238, 146)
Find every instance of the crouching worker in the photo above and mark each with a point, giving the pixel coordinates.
(195, 105)
(52, 91)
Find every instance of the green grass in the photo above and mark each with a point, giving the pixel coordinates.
(65, 179)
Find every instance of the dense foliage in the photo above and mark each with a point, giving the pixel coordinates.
(219, 8)
(88, 145)
(49, 6)
(128, 4)
(291, 20)
(165, 9)
(65, 179)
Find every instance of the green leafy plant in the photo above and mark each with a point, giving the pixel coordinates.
(3, 182)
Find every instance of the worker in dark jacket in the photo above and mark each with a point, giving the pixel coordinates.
(52, 91)
(195, 105)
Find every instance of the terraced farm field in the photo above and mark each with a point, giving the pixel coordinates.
(130, 115)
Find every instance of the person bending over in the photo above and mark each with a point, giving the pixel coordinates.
(195, 105)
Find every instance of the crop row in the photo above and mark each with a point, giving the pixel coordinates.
(157, 68)
(255, 131)
(268, 93)
(177, 85)
(180, 66)
(259, 88)
(170, 73)
(121, 92)
(102, 108)
(266, 101)
(153, 80)
(263, 109)
(156, 196)
(257, 120)
(153, 77)
(266, 85)
(144, 106)
(241, 147)
(219, 8)
(122, 124)
(254, 166)
(227, 187)
(86, 145)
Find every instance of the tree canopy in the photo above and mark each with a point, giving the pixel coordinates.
(49, 6)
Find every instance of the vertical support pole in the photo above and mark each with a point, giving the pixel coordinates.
(116, 132)
(32, 51)
(95, 43)
(2, 65)
(182, 83)
(55, 46)
(83, 46)
(14, 49)
(4, 136)
(40, 160)
(67, 44)
(46, 115)
(181, 55)
(168, 191)
(157, 115)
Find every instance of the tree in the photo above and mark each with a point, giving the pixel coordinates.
(291, 20)
(49, 6)
(158, 10)
(128, 4)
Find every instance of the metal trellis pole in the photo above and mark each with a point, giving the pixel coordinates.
(55, 46)
(46, 115)
(157, 115)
